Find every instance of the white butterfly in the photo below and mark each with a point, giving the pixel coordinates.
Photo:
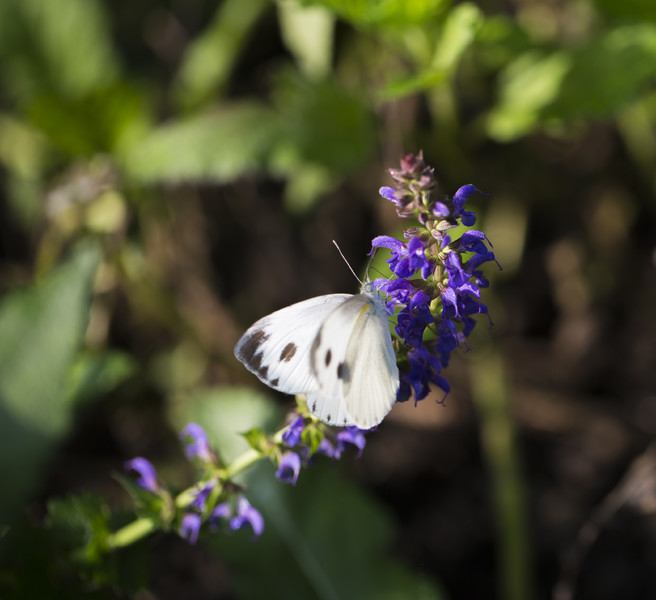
(335, 349)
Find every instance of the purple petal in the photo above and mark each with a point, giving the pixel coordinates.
(289, 467)
(147, 475)
(220, 511)
(351, 436)
(440, 210)
(460, 197)
(190, 527)
(246, 514)
(387, 241)
(292, 434)
(389, 194)
(195, 442)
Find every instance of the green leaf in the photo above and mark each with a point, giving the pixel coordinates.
(308, 33)
(323, 123)
(609, 73)
(224, 413)
(219, 146)
(391, 13)
(323, 538)
(638, 10)
(211, 56)
(104, 120)
(257, 440)
(41, 331)
(458, 33)
(94, 374)
(528, 84)
(60, 48)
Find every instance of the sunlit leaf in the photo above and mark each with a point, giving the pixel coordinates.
(219, 146)
(394, 13)
(308, 33)
(211, 56)
(608, 73)
(528, 85)
(323, 123)
(41, 330)
(61, 48)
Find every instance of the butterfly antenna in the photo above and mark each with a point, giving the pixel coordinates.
(347, 262)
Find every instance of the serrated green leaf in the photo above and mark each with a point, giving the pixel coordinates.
(80, 523)
(220, 146)
(41, 330)
(323, 538)
(257, 440)
(312, 438)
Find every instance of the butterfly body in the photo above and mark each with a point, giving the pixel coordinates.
(335, 349)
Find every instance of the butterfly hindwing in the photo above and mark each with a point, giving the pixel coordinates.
(277, 347)
(353, 361)
(370, 390)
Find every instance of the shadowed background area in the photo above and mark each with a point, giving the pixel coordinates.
(172, 171)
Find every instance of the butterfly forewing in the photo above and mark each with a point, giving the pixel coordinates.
(277, 347)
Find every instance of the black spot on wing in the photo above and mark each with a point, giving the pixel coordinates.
(329, 355)
(248, 352)
(288, 352)
(343, 372)
(263, 372)
(328, 418)
(314, 407)
(274, 382)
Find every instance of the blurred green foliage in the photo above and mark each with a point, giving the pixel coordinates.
(101, 139)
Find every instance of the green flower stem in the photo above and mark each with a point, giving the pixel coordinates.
(144, 526)
(499, 439)
(131, 533)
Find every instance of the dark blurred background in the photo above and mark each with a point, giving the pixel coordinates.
(172, 171)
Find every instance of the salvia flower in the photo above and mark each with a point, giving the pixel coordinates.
(437, 285)
(147, 476)
(289, 466)
(190, 527)
(196, 443)
(201, 495)
(247, 515)
(220, 511)
(292, 435)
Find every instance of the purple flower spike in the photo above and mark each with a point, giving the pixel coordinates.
(289, 468)
(247, 515)
(190, 527)
(196, 442)
(147, 475)
(434, 314)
